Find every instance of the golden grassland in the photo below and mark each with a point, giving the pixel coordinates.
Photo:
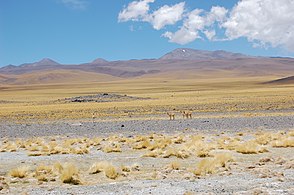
(177, 156)
(200, 95)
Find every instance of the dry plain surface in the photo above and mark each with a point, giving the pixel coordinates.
(239, 141)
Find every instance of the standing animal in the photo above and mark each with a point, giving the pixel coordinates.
(187, 114)
(93, 116)
(171, 115)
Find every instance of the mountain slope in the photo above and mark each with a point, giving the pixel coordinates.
(286, 80)
(180, 63)
(57, 76)
(191, 54)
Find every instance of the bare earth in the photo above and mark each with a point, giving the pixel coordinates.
(247, 174)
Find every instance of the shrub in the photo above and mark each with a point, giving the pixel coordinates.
(19, 172)
(69, 174)
(98, 167)
(110, 172)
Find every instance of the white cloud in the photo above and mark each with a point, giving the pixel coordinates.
(139, 11)
(136, 10)
(210, 34)
(75, 4)
(197, 21)
(167, 15)
(263, 22)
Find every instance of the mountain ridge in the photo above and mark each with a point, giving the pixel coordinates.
(181, 62)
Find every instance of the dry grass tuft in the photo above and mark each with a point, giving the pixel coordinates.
(19, 172)
(175, 165)
(155, 153)
(98, 167)
(141, 145)
(125, 168)
(43, 173)
(222, 158)
(57, 167)
(291, 133)
(205, 166)
(249, 147)
(69, 174)
(283, 142)
(114, 147)
(9, 147)
(110, 171)
(210, 166)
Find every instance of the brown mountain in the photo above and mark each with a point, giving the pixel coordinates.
(286, 80)
(192, 54)
(180, 63)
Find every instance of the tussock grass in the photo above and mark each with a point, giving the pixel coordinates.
(284, 142)
(9, 147)
(69, 174)
(110, 171)
(20, 172)
(291, 133)
(249, 147)
(114, 147)
(155, 153)
(175, 152)
(43, 173)
(125, 168)
(141, 145)
(205, 166)
(210, 165)
(175, 165)
(98, 167)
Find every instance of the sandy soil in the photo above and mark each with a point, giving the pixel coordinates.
(247, 174)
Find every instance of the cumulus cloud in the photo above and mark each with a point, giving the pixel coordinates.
(262, 22)
(75, 4)
(197, 22)
(139, 11)
(136, 10)
(166, 15)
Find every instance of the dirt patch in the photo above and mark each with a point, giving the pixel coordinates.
(103, 97)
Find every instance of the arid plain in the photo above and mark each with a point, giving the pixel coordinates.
(103, 127)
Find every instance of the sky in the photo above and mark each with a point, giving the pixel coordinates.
(79, 31)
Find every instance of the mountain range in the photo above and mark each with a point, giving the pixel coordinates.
(178, 64)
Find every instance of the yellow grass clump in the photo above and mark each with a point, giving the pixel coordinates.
(115, 147)
(42, 172)
(175, 165)
(69, 174)
(110, 171)
(98, 167)
(19, 172)
(155, 153)
(249, 147)
(205, 166)
(210, 165)
(9, 147)
(283, 142)
(125, 168)
(141, 145)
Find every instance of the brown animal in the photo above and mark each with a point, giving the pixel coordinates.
(171, 115)
(187, 114)
(93, 116)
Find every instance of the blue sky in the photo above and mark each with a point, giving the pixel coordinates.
(78, 31)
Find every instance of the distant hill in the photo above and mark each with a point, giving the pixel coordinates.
(286, 80)
(191, 54)
(177, 64)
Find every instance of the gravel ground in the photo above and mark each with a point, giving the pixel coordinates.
(235, 184)
(89, 129)
(240, 181)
